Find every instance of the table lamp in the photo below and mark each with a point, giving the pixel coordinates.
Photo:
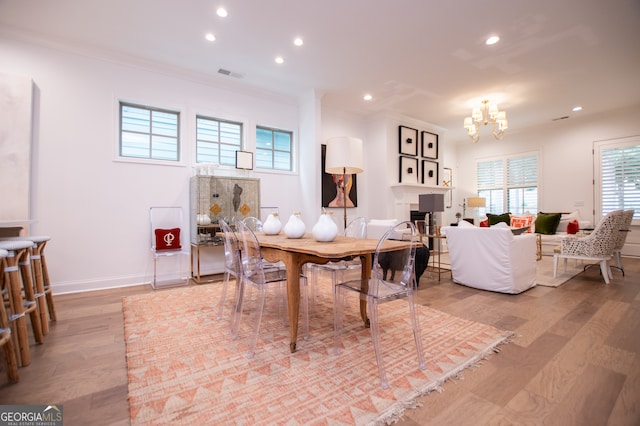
(475, 202)
(344, 157)
(431, 203)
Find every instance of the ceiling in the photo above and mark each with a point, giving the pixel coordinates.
(420, 58)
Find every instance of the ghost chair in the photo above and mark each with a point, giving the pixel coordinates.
(259, 274)
(392, 278)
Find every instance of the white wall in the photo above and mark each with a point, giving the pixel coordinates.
(96, 209)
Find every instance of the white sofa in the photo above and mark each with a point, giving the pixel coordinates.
(492, 258)
(550, 242)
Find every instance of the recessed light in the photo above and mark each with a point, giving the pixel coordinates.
(298, 41)
(221, 12)
(367, 97)
(210, 37)
(279, 60)
(577, 108)
(492, 40)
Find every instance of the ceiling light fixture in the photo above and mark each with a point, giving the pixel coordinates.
(489, 113)
(492, 40)
(221, 12)
(210, 37)
(279, 60)
(298, 41)
(577, 108)
(367, 97)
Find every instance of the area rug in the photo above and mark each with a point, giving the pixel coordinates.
(183, 367)
(544, 271)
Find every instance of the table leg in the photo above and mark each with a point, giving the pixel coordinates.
(365, 275)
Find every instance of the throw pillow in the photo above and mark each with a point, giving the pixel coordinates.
(573, 227)
(522, 221)
(547, 223)
(168, 239)
(497, 218)
(484, 223)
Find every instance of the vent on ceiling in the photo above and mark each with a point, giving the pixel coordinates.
(560, 118)
(229, 73)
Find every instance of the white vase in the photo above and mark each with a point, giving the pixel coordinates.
(325, 229)
(295, 226)
(272, 225)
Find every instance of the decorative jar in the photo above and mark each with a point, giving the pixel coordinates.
(325, 229)
(272, 225)
(295, 226)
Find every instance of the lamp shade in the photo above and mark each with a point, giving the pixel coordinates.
(476, 201)
(431, 203)
(344, 155)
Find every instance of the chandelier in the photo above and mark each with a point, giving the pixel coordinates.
(489, 113)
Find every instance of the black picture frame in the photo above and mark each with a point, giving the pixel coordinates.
(408, 170)
(408, 141)
(429, 174)
(429, 145)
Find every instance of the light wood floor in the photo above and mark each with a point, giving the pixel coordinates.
(576, 360)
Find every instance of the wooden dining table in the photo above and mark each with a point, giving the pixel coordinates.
(295, 252)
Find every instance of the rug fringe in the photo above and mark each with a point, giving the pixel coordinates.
(398, 411)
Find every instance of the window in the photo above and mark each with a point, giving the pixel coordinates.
(148, 132)
(511, 182)
(274, 149)
(217, 140)
(618, 176)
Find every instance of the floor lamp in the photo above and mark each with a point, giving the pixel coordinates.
(431, 203)
(344, 157)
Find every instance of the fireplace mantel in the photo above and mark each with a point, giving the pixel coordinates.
(406, 197)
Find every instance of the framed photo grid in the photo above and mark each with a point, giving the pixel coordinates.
(417, 166)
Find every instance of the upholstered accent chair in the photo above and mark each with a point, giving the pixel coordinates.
(597, 246)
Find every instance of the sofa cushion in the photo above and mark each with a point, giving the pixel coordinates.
(522, 221)
(573, 227)
(497, 218)
(566, 218)
(547, 223)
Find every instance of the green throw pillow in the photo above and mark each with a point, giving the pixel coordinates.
(497, 218)
(547, 223)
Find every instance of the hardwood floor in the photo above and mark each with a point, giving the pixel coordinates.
(575, 361)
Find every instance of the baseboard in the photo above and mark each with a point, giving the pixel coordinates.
(102, 284)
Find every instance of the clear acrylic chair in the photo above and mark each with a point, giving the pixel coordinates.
(357, 228)
(392, 277)
(167, 248)
(231, 262)
(260, 274)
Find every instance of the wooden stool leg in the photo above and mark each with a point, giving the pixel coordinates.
(40, 295)
(30, 304)
(47, 285)
(5, 335)
(17, 317)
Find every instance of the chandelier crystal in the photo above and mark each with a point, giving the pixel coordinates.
(488, 113)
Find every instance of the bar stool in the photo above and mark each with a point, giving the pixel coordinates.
(18, 269)
(6, 343)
